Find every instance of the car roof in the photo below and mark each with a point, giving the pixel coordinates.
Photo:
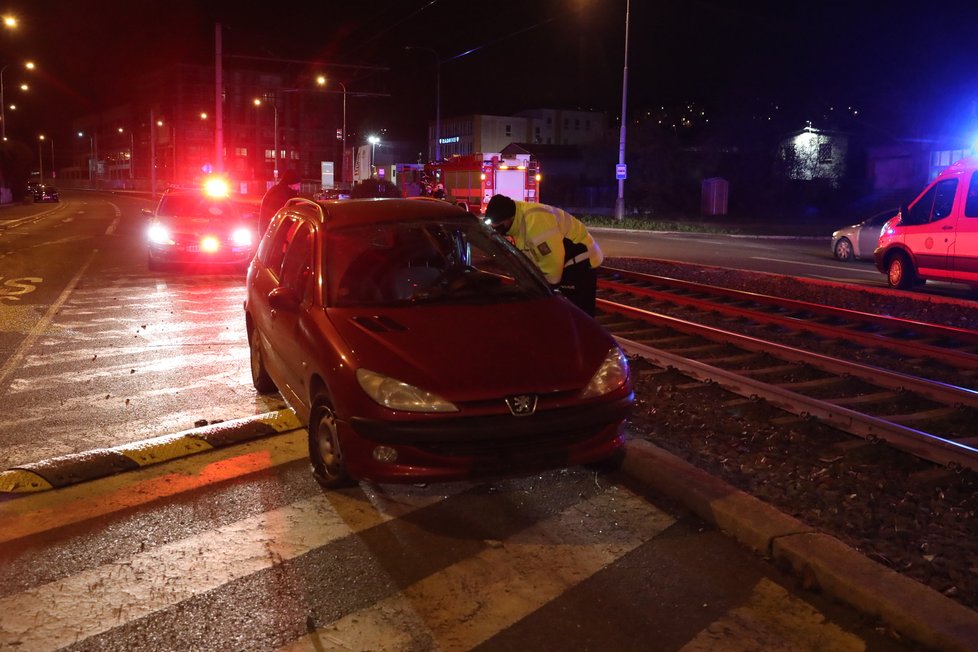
(338, 214)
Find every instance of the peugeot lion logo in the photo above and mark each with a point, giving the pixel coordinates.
(522, 405)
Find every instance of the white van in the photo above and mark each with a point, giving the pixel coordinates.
(936, 236)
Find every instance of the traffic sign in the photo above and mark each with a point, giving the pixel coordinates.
(621, 172)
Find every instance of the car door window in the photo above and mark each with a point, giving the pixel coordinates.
(297, 263)
(971, 203)
(274, 255)
(944, 199)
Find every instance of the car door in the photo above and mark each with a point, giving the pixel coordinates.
(290, 334)
(929, 233)
(964, 255)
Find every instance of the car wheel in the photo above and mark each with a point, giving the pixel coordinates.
(325, 452)
(899, 272)
(843, 250)
(259, 374)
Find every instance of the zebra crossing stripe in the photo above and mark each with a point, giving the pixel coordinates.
(94, 601)
(469, 602)
(773, 615)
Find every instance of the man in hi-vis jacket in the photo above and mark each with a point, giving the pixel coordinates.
(556, 241)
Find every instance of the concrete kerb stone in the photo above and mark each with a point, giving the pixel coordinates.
(81, 467)
(909, 607)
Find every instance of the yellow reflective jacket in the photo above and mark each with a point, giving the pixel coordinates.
(539, 230)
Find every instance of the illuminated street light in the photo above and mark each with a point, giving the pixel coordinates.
(132, 149)
(93, 164)
(40, 159)
(3, 118)
(258, 102)
(374, 141)
(321, 80)
(9, 21)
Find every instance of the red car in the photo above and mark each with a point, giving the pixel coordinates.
(419, 345)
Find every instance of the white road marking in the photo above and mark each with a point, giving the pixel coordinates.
(781, 621)
(476, 598)
(94, 601)
(14, 361)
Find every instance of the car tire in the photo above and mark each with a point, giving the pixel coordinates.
(843, 250)
(325, 452)
(259, 374)
(899, 272)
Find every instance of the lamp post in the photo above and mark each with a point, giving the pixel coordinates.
(3, 118)
(321, 80)
(258, 102)
(620, 202)
(373, 140)
(40, 159)
(132, 145)
(93, 164)
(437, 97)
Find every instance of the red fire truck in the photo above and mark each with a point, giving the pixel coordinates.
(473, 179)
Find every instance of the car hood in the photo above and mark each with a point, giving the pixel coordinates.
(469, 352)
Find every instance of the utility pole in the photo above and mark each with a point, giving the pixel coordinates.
(218, 112)
(620, 170)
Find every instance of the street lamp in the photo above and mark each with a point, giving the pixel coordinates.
(3, 118)
(40, 159)
(258, 102)
(132, 146)
(93, 164)
(373, 140)
(620, 172)
(321, 80)
(437, 97)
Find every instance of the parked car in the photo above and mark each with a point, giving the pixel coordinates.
(45, 192)
(936, 236)
(859, 240)
(199, 225)
(418, 345)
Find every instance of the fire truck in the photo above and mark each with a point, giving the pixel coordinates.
(473, 179)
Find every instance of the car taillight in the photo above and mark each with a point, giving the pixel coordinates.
(209, 244)
(159, 234)
(242, 237)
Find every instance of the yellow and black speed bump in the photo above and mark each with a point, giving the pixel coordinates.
(81, 467)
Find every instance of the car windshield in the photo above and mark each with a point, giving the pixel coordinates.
(195, 205)
(409, 263)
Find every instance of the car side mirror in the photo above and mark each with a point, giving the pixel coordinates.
(283, 298)
(147, 212)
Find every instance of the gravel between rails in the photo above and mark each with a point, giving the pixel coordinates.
(913, 516)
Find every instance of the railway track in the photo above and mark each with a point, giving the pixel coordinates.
(928, 418)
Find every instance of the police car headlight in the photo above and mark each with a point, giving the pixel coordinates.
(396, 395)
(611, 375)
(159, 234)
(241, 237)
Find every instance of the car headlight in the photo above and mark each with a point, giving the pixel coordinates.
(396, 395)
(611, 375)
(159, 234)
(241, 238)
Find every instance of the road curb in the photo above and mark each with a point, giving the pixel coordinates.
(822, 561)
(100, 463)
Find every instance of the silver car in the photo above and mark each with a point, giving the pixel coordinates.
(859, 240)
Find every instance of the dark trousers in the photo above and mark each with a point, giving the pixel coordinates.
(579, 283)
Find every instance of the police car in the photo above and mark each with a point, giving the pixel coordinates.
(200, 225)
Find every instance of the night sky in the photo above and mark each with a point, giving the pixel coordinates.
(909, 69)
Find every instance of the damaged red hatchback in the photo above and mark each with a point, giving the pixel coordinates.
(418, 345)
